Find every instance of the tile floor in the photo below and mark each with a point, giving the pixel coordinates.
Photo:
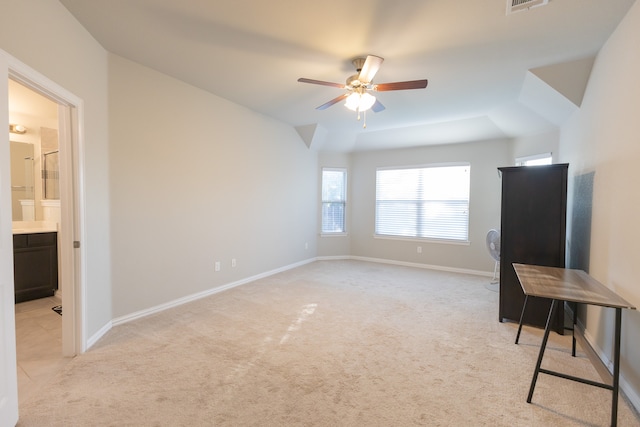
(39, 344)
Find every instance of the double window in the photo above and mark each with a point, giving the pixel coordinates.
(334, 200)
(429, 202)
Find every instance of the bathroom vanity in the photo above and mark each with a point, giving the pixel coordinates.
(35, 262)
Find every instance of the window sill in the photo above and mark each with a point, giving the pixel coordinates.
(423, 240)
(334, 234)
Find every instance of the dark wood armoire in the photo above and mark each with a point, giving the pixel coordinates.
(533, 231)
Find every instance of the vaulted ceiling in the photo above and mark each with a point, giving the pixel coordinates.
(491, 74)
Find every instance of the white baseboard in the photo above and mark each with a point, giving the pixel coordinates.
(193, 297)
(96, 337)
(409, 264)
(625, 386)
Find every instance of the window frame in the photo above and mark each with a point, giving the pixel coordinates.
(343, 202)
(522, 161)
(447, 240)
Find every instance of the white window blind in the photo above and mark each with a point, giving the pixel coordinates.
(429, 202)
(334, 200)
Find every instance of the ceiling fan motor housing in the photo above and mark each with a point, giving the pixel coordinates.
(358, 63)
(353, 82)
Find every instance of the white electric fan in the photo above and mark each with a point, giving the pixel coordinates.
(493, 246)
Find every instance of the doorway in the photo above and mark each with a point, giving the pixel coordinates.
(72, 273)
(36, 214)
(56, 185)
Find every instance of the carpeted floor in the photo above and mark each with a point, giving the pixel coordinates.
(332, 343)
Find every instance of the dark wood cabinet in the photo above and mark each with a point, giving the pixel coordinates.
(35, 265)
(533, 231)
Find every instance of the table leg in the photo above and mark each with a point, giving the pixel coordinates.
(616, 368)
(524, 306)
(547, 329)
(573, 331)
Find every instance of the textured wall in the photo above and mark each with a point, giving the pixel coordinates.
(602, 138)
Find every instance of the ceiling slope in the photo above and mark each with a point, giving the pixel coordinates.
(476, 57)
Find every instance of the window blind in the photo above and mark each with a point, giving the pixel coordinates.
(424, 202)
(334, 200)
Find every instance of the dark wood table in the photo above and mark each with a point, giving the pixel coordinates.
(561, 284)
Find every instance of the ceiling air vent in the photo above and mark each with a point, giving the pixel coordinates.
(514, 6)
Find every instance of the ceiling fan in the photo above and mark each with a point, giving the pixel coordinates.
(358, 86)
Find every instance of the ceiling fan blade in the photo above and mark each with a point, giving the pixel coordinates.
(320, 82)
(413, 84)
(377, 107)
(370, 68)
(333, 101)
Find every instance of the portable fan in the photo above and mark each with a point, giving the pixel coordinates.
(493, 246)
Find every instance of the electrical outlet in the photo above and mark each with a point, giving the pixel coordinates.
(217, 266)
(419, 249)
(306, 245)
(233, 262)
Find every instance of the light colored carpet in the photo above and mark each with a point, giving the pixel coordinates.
(332, 343)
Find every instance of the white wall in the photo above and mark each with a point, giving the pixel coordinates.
(196, 179)
(44, 35)
(484, 156)
(604, 137)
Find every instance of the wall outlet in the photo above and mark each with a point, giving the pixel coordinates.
(419, 249)
(217, 266)
(233, 262)
(306, 245)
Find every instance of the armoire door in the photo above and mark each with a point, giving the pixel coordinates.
(533, 231)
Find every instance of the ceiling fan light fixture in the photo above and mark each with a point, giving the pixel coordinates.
(360, 101)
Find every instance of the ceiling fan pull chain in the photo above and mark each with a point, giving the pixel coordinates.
(364, 115)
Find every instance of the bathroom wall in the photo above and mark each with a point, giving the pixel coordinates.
(39, 116)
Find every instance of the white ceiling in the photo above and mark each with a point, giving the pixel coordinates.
(475, 56)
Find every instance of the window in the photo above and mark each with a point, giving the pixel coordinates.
(429, 202)
(334, 200)
(535, 160)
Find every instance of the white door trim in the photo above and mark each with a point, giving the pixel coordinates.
(8, 371)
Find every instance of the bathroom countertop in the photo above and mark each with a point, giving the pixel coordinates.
(30, 227)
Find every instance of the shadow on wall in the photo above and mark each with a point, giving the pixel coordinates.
(581, 222)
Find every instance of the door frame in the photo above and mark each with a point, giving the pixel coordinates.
(8, 371)
(71, 251)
